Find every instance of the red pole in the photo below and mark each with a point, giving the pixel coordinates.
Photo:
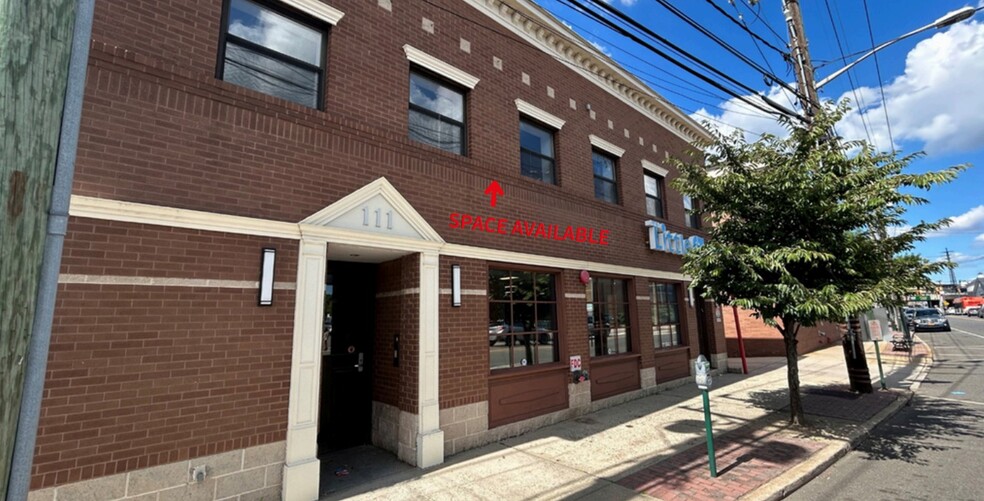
(741, 344)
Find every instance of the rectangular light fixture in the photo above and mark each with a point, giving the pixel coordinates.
(455, 285)
(266, 276)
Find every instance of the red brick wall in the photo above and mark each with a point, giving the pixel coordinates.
(139, 376)
(386, 377)
(464, 352)
(410, 327)
(158, 128)
(762, 340)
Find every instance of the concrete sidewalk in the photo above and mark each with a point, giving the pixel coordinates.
(655, 447)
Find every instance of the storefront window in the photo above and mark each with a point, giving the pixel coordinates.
(522, 318)
(666, 315)
(608, 317)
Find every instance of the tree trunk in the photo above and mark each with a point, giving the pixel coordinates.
(796, 414)
(854, 357)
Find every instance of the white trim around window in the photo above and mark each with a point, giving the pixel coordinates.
(443, 69)
(317, 9)
(605, 146)
(655, 169)
(538, 114)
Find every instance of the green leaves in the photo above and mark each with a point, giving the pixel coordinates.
(797, 225)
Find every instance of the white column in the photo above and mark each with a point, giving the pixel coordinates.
(430, 437)
(302, 469)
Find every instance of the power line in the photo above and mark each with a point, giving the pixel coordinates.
(881, 86)
(782, 110)
(741, 24)
(785, 55)
(850, 78)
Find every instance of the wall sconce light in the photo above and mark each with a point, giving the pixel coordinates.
(455, 285)
(266, 276)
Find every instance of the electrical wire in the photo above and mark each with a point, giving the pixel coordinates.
(786, 56)
(881, 86)
(741, 24)
(850, 77)
(759, 18)
(780, 110)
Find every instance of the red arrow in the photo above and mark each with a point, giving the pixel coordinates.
(494, 190)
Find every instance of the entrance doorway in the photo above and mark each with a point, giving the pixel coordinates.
(346, 376)
(703, 326)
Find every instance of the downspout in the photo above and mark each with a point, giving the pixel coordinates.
(61, 193)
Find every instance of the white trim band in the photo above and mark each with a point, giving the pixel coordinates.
(538, 114)
(655, 169)
(404, 292)
(575, 295)
(69, 278)
(601, 144)
(465, 292)
(317, 9)
(434, 64)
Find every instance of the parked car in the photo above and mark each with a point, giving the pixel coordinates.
(497, 331)
(973, 311)
(930, 319)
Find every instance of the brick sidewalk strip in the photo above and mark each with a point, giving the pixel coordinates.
(750, 456)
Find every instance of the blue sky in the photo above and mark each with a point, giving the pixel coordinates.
(931, 83)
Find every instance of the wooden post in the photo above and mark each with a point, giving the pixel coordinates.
(35, 45)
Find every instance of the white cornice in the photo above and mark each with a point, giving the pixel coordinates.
(538, 114)
(601, 144)
(543, 31)
(317, 9)
(434, 64)
(655, 169)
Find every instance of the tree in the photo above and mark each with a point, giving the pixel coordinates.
(797, 228)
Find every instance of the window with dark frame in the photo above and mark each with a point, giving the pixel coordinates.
(691, 218)
(654, 194)
(609, 330)
(604, 177)
(665, 302)
(267, 50)
(522, 318)
(437, 113)
(536, 151)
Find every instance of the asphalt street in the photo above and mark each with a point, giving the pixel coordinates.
(931, 449)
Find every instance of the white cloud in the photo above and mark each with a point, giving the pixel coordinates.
(968, 222)
(627, 3)
(935, 101)
(961, 258)
(980, 238)
(736, 114)
(601, 48)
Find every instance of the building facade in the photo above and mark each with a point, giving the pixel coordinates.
(294, 223)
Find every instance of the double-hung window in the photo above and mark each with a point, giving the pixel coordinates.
(605, 185)
(536, 151)
(692, 218)
(437, 113)
(265, 50)
(654, 194)
(522, 318)
(609, 331)
(665, 304)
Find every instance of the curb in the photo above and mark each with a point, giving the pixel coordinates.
(786, 483)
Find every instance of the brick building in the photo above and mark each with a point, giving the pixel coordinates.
(281, 242)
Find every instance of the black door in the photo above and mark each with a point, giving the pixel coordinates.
(346, 377)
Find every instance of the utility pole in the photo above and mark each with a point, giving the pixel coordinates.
(854, 355)
(953, 274)
(35, 46)
(801, 57)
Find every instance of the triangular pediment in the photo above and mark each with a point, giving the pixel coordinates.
(376, 208)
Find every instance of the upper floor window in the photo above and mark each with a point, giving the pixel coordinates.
(605, 186)
(522, 318)
(269, 52)
(691, 218)
(437, 113)
(536, 151)
(654, 194)
(609, 331)
(665, 305)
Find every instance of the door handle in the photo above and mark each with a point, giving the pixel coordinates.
(359, 365)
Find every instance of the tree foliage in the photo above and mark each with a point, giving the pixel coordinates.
(798, 225)
(798, 228)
